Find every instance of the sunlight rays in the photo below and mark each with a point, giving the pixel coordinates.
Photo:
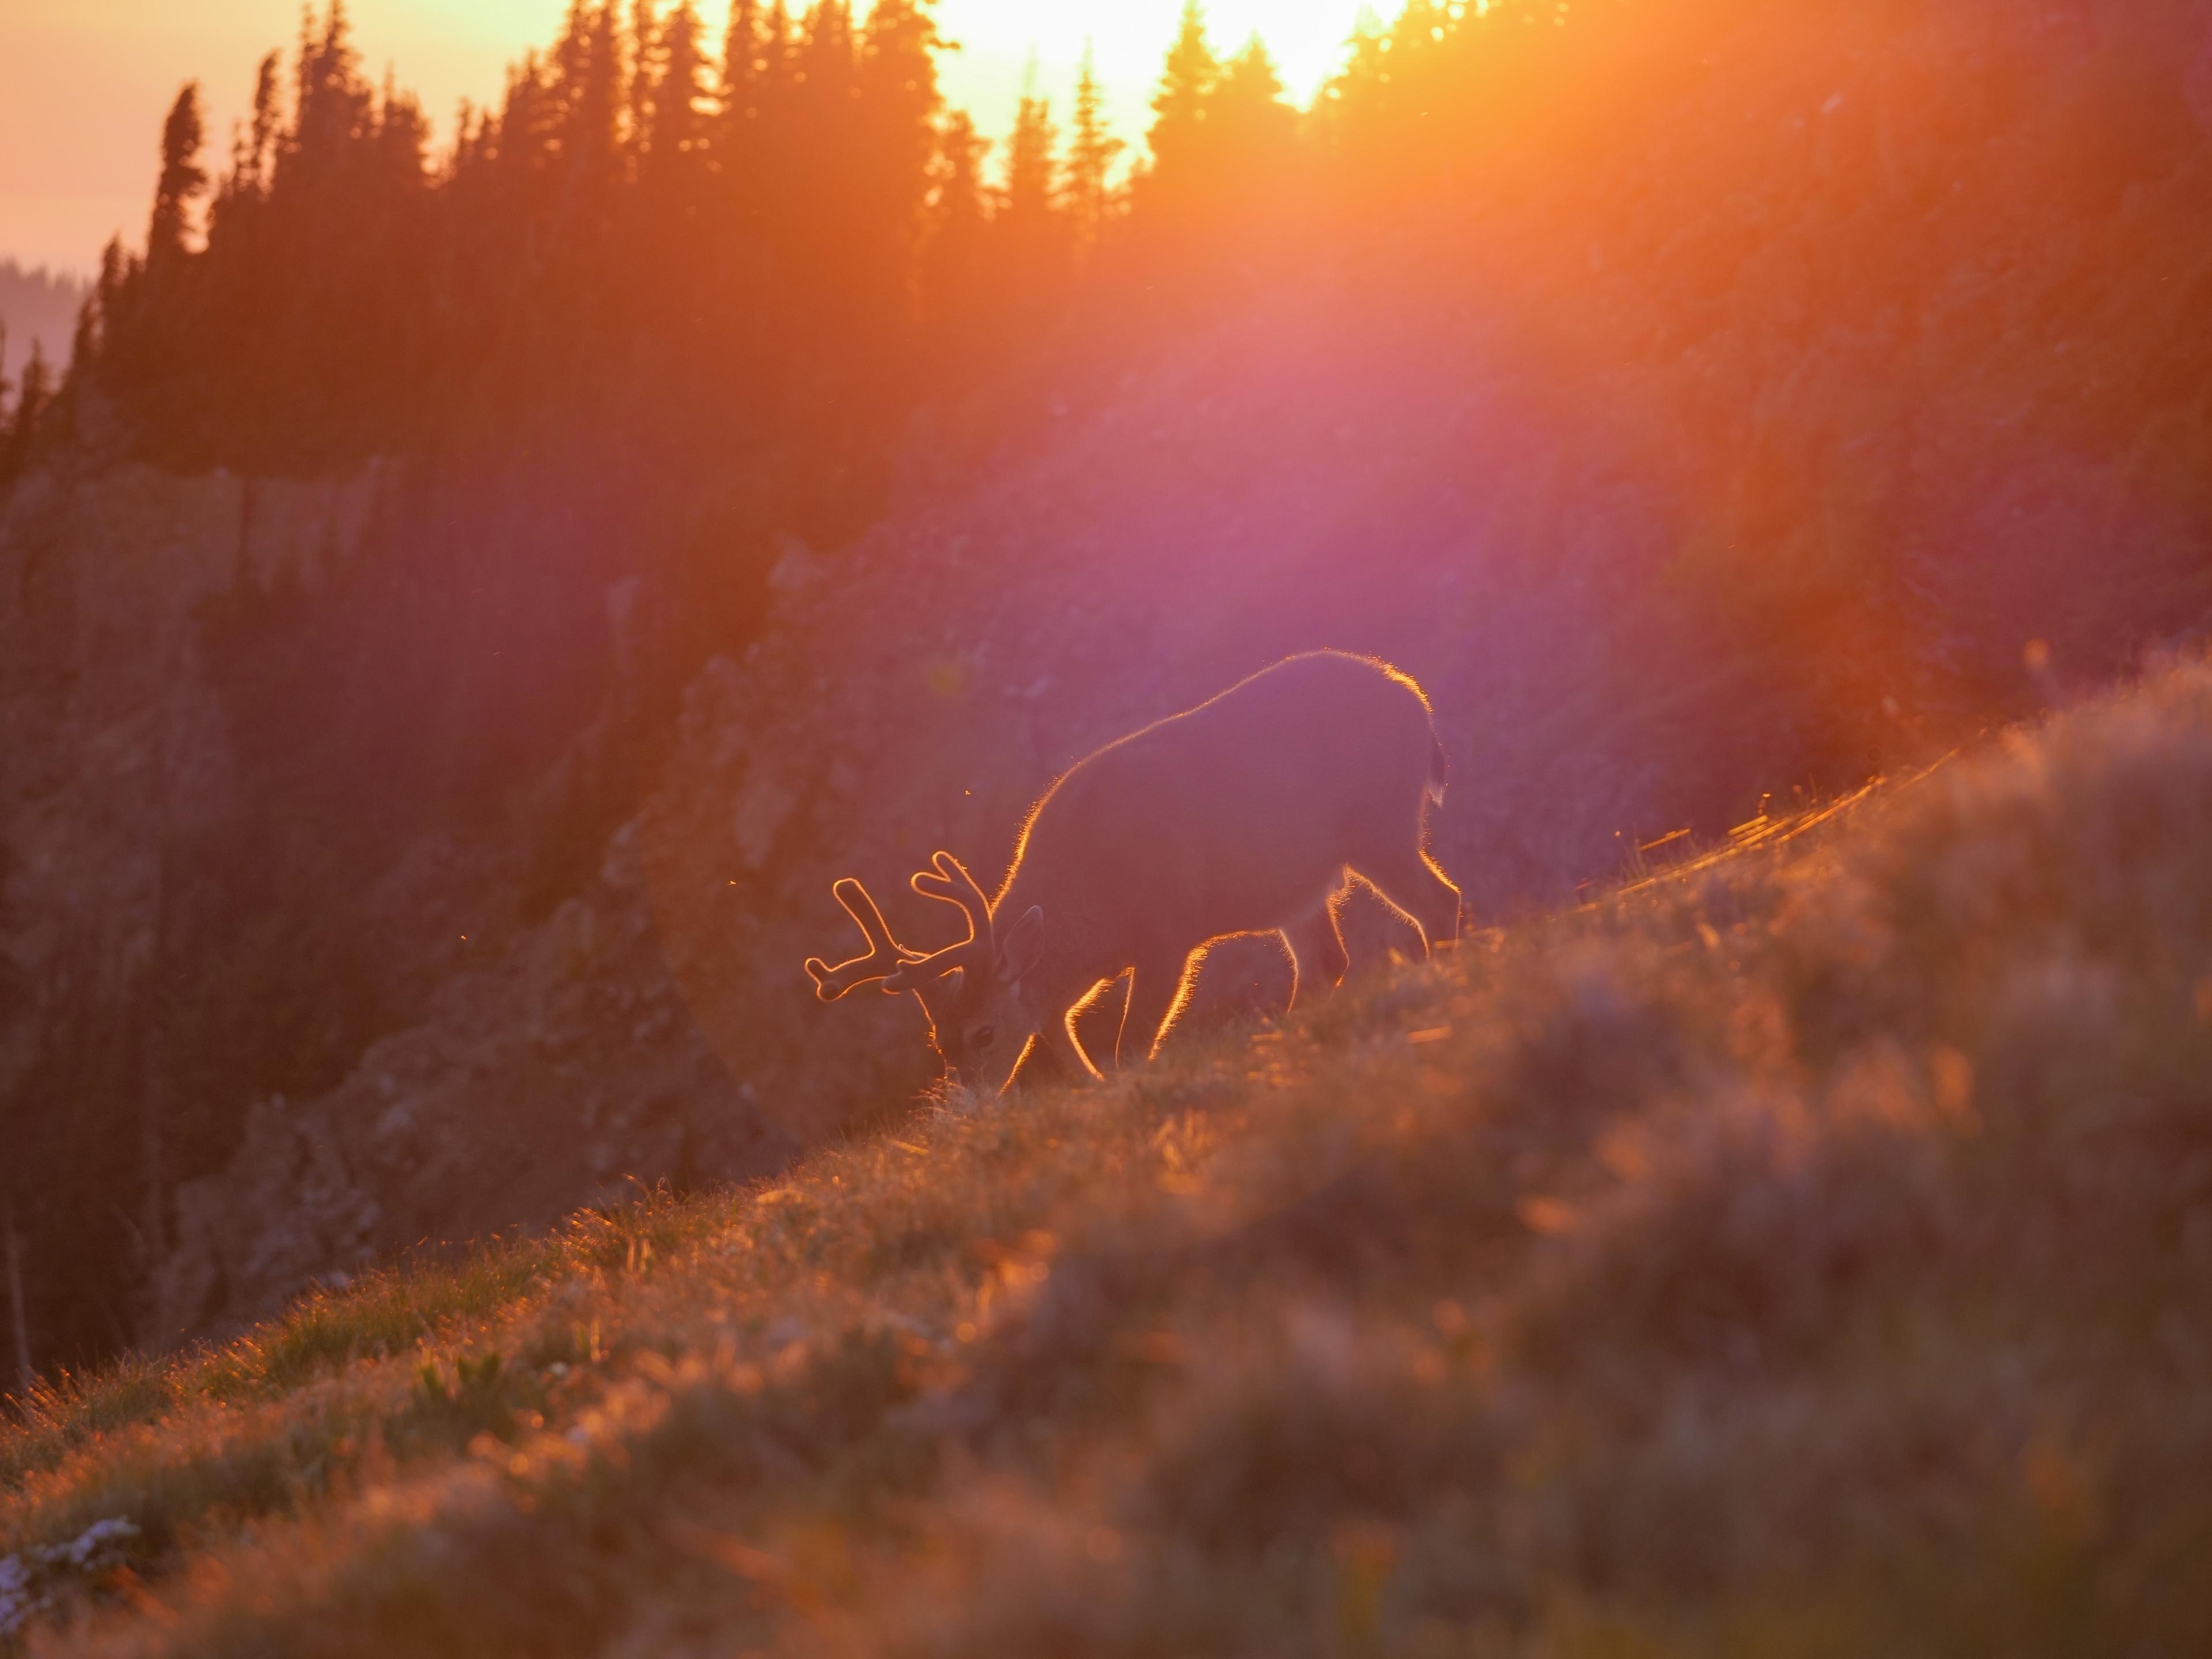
(998, 38)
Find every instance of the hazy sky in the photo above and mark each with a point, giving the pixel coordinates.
(84, 83)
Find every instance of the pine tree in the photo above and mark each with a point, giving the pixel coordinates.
(1031, 226)
(1174, 184)
(112, 293)
(332, 105)
(741, 68)
(644, 59)
(816, 144)
(829, 55)
(901, 101)
(1091, 152)
(674, 123)
(1254, 130)
(183, 180)
(84, 340)
(398, 144)
(21, 429)
(776, 75)
(253, 157)
(590, 61)
(959, 223)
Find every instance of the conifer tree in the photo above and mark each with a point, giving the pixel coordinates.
(741, 66)
(1028, 196)
(21, 429)
(644, 59)
(182, 181)
(253, 157)
(777, 77)
(815, 141)
(590, 62)
(332, 104)
(1254, 130)
(1031, 226)
(674, 122)
(828, 55)
(735, 136)
(1091, 152)
(899, 91)
(1375, 115)
(1174, 182)
(111, 294)
(84, 341)
(959, 220)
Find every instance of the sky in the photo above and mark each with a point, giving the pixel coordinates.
(84, 83)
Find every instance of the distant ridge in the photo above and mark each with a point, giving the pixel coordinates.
(37, 303)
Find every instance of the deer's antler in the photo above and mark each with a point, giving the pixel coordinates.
(950, 884)
(886, 959)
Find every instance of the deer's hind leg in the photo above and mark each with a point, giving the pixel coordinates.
(1409, 878)
(1317, 953)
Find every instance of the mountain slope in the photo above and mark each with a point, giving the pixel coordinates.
(1759, 397)
(1804, 1253)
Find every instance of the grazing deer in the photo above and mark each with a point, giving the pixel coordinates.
(1245, 815)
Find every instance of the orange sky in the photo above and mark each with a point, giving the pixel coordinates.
(83, 83)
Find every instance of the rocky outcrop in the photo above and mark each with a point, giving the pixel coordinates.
(559, 1072)
(552, 1065)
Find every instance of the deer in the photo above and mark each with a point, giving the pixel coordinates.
(1251, 813)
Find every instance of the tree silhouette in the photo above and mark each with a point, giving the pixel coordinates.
(1031, 229)
(957, 226)
(670, 98)
(638, 219)
(183, 180)
(899, 92)
(1252, 133)
(1092, 150)
(1170, 188)
(19, 431)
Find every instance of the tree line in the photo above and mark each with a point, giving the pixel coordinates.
(716, 239)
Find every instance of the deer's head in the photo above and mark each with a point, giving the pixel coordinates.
(972, 992)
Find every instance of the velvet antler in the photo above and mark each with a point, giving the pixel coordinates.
(886, 958)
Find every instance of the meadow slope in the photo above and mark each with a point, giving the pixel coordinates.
(1740, 395)
(1806, 1251)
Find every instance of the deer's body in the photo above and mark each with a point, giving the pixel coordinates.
(1245, 815)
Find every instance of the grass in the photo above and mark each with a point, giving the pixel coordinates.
(1808, 1252)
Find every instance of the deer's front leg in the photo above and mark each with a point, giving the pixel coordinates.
(1056, 1032)
(1158, 991)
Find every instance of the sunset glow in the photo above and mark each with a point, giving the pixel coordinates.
(82, 86)
(1073, 827)
(998, 37)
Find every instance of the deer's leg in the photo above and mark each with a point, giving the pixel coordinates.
(1157, 990)
(1057, 1033)
(1409, 879)
(1317, 957)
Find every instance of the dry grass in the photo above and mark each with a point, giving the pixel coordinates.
(1808, 1255)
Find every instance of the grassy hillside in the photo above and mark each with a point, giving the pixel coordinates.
(1806, 1252)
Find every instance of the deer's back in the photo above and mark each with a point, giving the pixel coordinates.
(1233, 816)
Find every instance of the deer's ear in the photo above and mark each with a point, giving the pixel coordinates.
(1024, 945)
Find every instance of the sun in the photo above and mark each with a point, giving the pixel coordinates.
(1000, 39)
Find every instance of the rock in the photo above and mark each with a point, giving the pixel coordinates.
(761, 813)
